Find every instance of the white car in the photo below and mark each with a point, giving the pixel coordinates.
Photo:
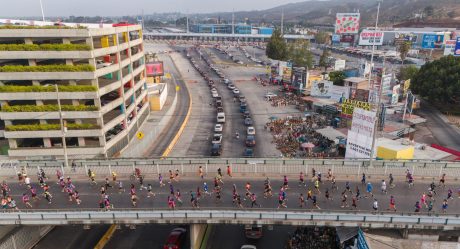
(218, 128)
(217, 138)
(231, 86)
(102, 64)
(236, 91)
(215, 94)
(251, 130)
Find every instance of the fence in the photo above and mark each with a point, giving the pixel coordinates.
(240, 167)
(230, 216)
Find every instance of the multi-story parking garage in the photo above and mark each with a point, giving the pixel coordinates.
(100, 77)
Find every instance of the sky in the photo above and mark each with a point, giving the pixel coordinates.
(24, 8)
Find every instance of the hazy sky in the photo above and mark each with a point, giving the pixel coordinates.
(14, 8)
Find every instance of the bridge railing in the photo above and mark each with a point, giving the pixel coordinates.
(240, 167)
(57, 217)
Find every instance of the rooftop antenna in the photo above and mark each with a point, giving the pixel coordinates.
(43, 13)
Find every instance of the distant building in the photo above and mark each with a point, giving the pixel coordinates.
(241, 29)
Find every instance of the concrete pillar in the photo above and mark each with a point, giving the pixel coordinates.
(197, 232)
(69, 62)
(81, 142)
(28, 41)
(12, 143)
(66, 40)
(75, 102)
(47, 142)
(32, 63)
(35, 82)
(8, 122)
(405, 233)
(72, 82)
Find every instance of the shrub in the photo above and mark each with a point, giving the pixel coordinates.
(81, 88)
(44, 47)
(47, 68)
(39, 27)
(50, 127)
(48, 108)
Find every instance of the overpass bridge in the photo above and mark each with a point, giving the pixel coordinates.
(219, 37)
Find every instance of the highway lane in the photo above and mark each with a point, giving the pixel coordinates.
(72, 237)
(405, 197)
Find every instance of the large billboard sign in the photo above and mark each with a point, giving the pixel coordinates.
(432, 41)
(347, 23)
(371, 37)
(363, 121)
(154, 69)
(358, 145)
(321, 88)
(457, 47)
(449, 48)
(349, 105)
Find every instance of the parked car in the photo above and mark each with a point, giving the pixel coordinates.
(248, 121)
(215, 94)
(217, 138)
(218, 128)
(231, 86)
(216, 150)
(220, 117)
(175, 239)
(248, 152)
(250, 141)
(236, 91)
(251, 130)
(253, 231)
(220, 109)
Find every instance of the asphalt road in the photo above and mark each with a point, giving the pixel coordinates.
(72, 237)
(405, 197)
(183, 102)
(445, 134)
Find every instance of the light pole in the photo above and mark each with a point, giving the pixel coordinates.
(373, 45)
(63, 127)
(43, 13)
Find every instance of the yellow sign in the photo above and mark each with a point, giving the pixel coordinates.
(168, 76)
(140, 135)
(349, 105)
(177, 88)
(406, 86)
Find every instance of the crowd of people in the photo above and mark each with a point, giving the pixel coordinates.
(291, 132)
(313, 237)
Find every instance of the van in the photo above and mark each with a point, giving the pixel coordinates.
(221, 117)
(253, 231)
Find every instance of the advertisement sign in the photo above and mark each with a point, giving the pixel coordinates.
(287, 72)
(347, 23)
(349, 105)
(321, 88)
(457, 47)
(431, 41)
(406, 86)
(371, 37)
(154, 69)
(386, 84)
(335, 38)
(410, 102)
(449, 48)
(395, 94)
(405, 37)
(339, 92)
(281, 66)
(339, 65)
(363, 121)
(347, 38)
(358, 145)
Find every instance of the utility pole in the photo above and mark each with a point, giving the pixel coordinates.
(43, 13)
(63, 127)
(373, 46)
(282, 21)
(377, 113)
(187, 24)
(233, 21)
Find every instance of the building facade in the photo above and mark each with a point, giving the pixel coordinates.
(100, 77)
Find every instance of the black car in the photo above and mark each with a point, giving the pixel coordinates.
(248, 121)
(250, 141)
(216, 150)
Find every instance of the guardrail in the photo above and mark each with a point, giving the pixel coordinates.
(129, 216)
(240, 167)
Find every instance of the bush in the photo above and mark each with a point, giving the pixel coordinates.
(39, 27)
(13, 88)
(47, 68)
(44, 47)
(48, 108)
(50, 127)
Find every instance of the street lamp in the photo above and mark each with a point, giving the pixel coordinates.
(373, 44)
(43, 13)
(63, 127)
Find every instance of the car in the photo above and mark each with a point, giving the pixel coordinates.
(242, 98)
(248, 121)
(217, 138)
(236, 91)
(216, 150)
(220, 117)
(251, 130)
(176, 239)
(250, 141)
(102, 64)
(231, 86)
(218, 103)
(215, 94)
(218, 128)
(220, 109)
(248, 152)
(246, 114)
(226, 81)
(253, 231)
(248, 247)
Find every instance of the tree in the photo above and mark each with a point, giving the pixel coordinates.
(324, 60)
(321, 37)
(439, 81)
(407, 72)
(337, 77)
(299, 53)
(451, 14)
(181, 21)
(403, 50)
(276, 47)
(429, 10)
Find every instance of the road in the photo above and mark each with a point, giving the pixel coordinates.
(72, 237)
(445, 134)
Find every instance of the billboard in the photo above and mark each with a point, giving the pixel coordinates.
(287, 72)
(386, 83)
(347, 23)
(321, 88)
(358, 145)
(347, 38)
(339, 92)
(339, 65)
(349, 105)
(363, 121)
(395, 94)
(406, 86)
(154, 69)
(449, 48)
(335, 38)
(431, 41)
(371, 37)
(405, 37)
(457, 47)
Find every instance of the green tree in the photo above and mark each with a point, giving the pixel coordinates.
(337, 77)
(181, 21)
(407, 72)
(439, 81)
(403, 50)
(276, 47)
(429, 10)
(321, 37)
(299, 53)
(324, 60)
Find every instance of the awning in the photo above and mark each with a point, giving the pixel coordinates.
(346, 233)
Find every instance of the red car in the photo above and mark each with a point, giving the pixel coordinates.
(175, 239)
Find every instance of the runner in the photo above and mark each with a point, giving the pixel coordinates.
(160, 180)
(149, 191)
(107, 183)
(391, 181)
(76, 196)
(27, 181)
(58, 175)
(176, 175)
(114, 177)
(12, 204)
(254, 200)
(317, 186)
(423, 200)
(417, 207)
(268, 191)
(329, 174)
(348, 187)
(171, 189)
(171, 176)
(309, 194)
(334, 185)
(282, 200)
(206, 189)
(178, 197)
(363, 179)
(200, 172)
(285, 183)
(315, 202)
(344, 200)
(132, 190)
(238, 201)
(33, 192)
(354, 202)
(449, 194)
(48, 196)
(198, 193)
(410, 181)
(327, 195)
(302, 180)
(229, 171)
(120, 187)
(26, 200)
(442, 181)
(218, 194)
(430, 206)
(383, 188)
(171, 203)
(141, 182)
(358, 192)
(134, 200)
(92, 177)
(392, 204)
(301, 201)
(444, 206)
(248, 190)
(375, 205)
(219, 172)
(369, 190)
(433, 188)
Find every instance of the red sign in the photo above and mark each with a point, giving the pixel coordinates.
(155, 69)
